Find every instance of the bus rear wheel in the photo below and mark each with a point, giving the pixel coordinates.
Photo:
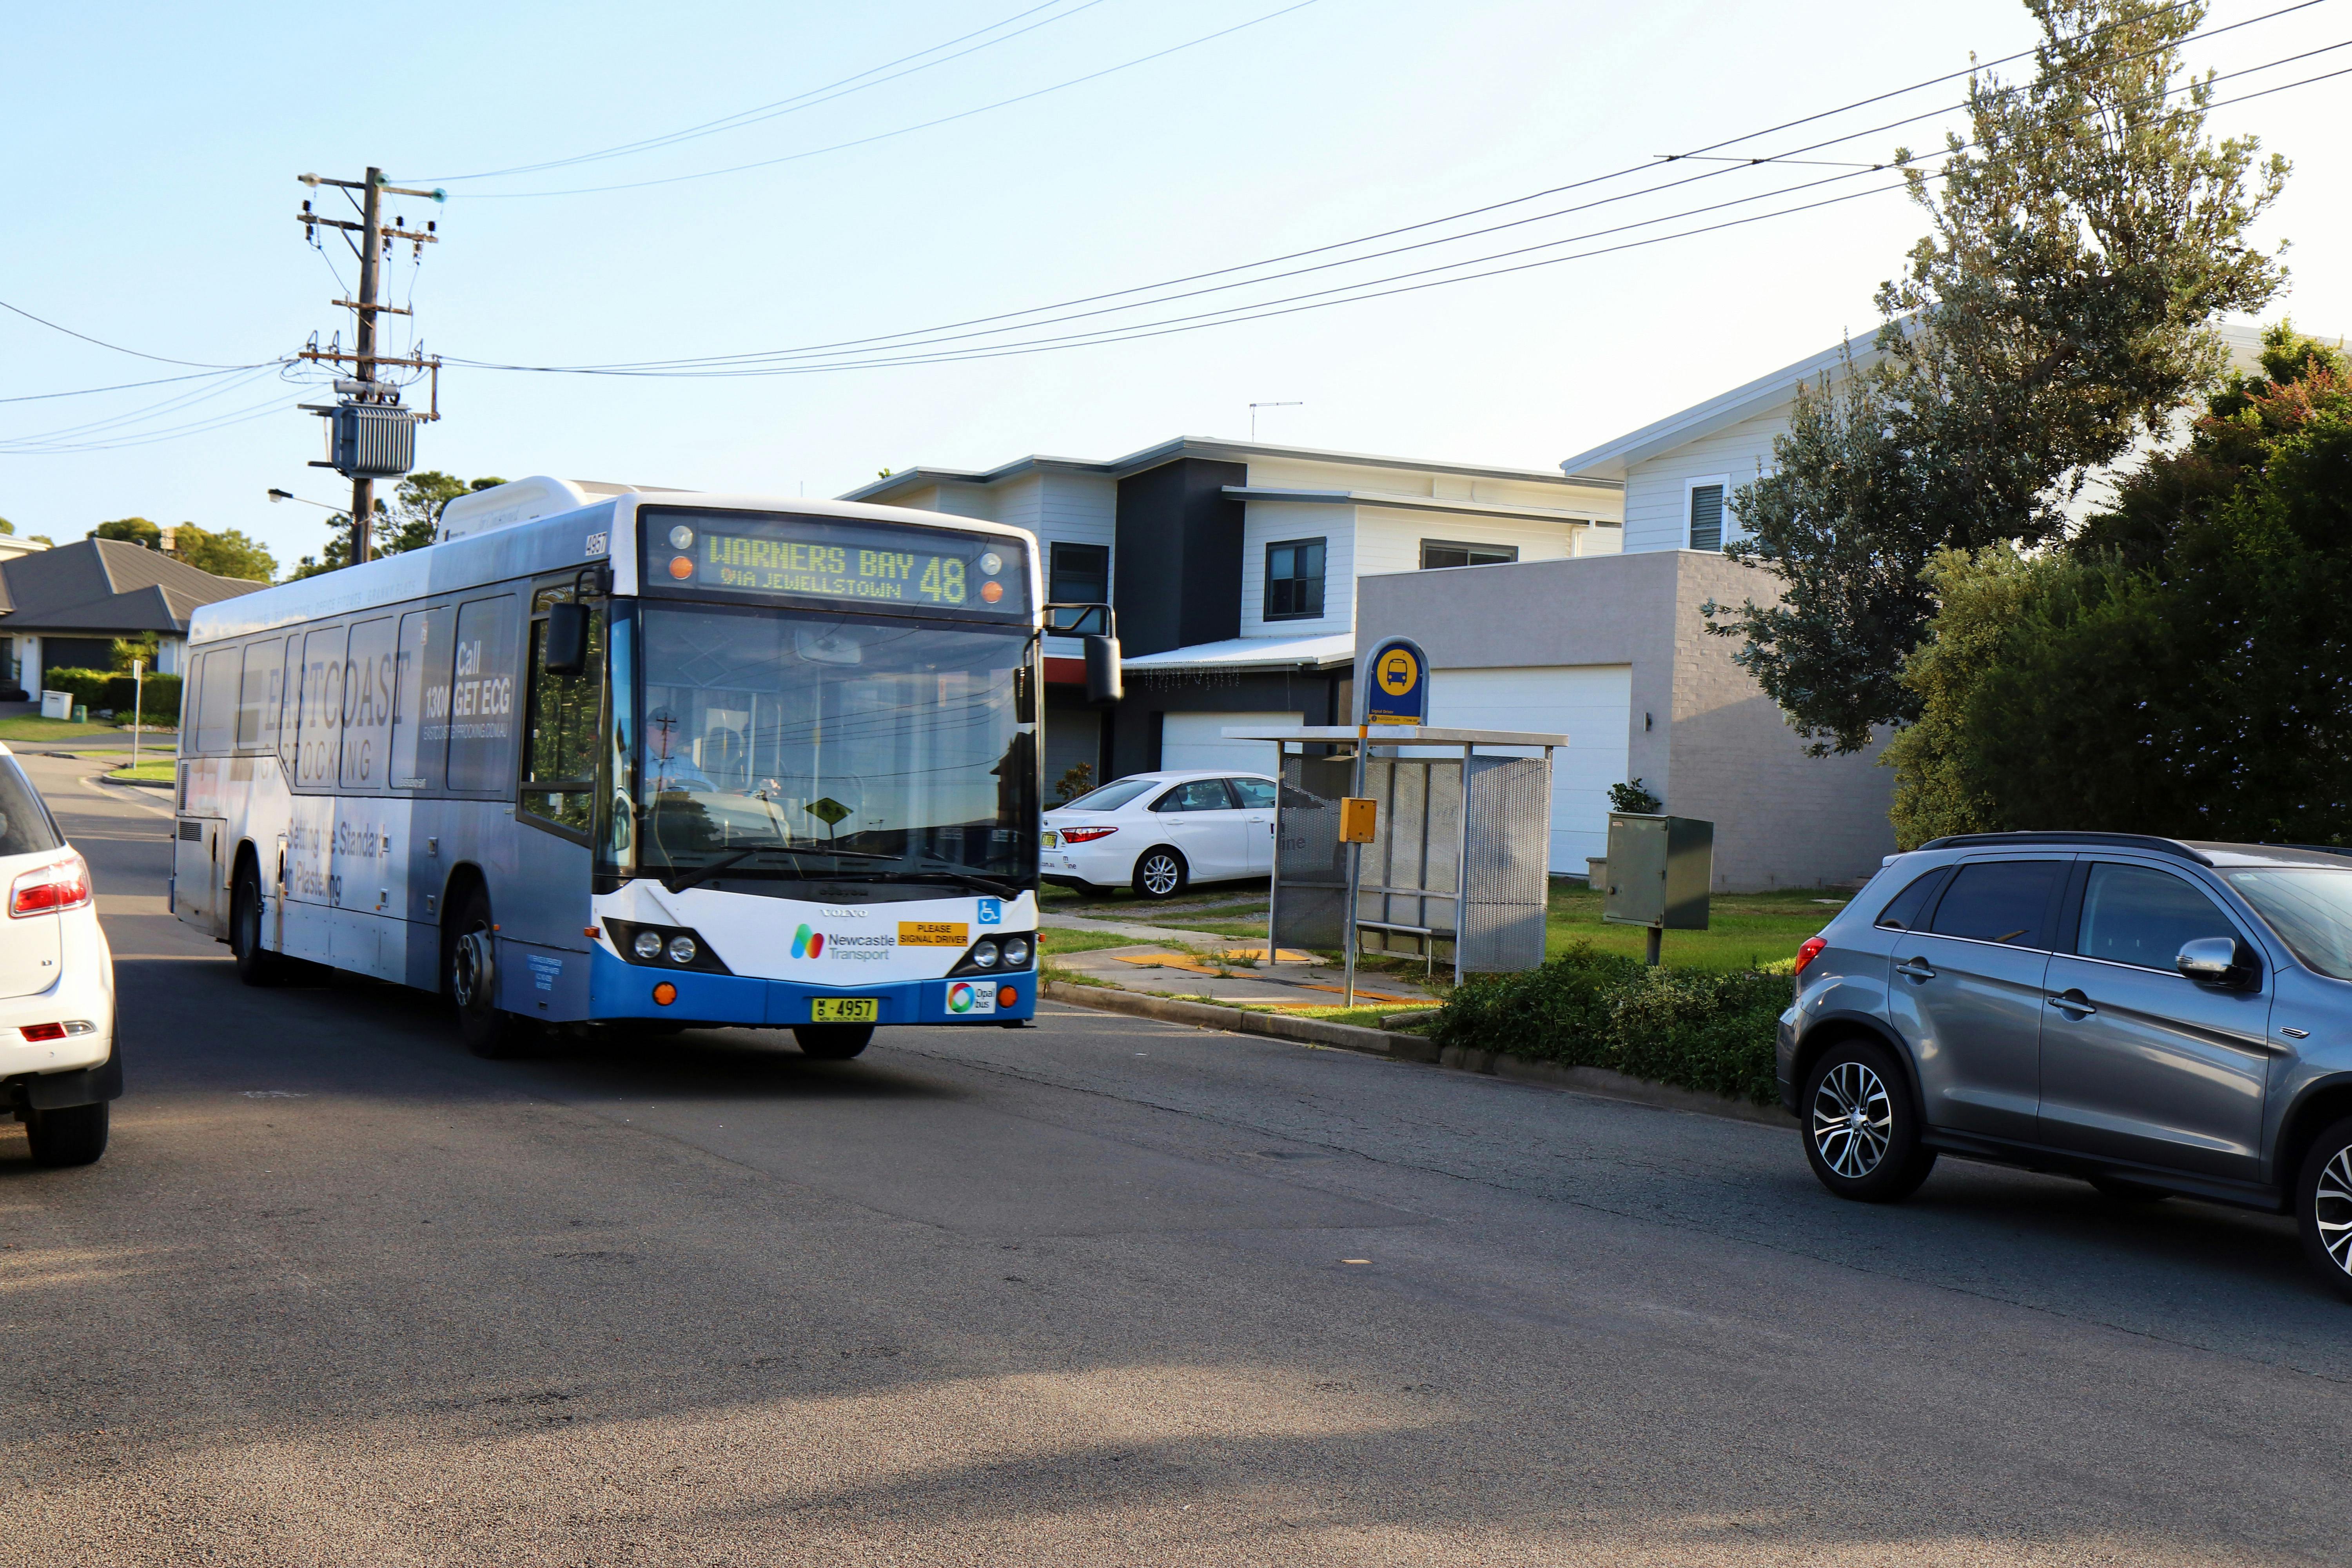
(470, 977)
(833, 1042)
(255, 964)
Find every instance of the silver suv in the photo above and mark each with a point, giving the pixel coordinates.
(2155, 1017)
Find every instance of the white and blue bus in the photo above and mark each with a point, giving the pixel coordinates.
(634, 757)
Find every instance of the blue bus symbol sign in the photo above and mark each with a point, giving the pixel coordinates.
(1395, 684)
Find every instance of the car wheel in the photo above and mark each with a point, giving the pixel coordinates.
(833, 1042)
(1862, 1135)
(2114, 1189)
(2323, 1207)
(1159, 874)
(255, 964)
(469, 975)
(75, 1135)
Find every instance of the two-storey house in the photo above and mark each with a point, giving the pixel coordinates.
(1234, 569)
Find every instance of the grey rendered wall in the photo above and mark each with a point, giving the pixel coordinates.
(1715, 746)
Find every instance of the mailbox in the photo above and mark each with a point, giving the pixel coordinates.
(1660, 869)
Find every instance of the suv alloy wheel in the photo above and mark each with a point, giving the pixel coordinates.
(2323, 1205)
(1862, 1135)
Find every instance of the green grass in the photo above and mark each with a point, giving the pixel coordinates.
(1054, 940)
(32, 727)
(1743, 930)
(146, 772)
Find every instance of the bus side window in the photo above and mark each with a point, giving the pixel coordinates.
(286, 705)
(367, 704)
(482, 697)
(217, 702)
(420, 708)
(319, 752)
(559, 760)
(257, 697)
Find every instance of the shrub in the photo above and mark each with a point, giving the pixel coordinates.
(1711, 1032)
(103, 689)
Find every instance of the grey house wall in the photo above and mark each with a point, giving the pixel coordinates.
(1715, 746)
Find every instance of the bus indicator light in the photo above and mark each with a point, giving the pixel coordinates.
(665, 994)
(681, 567)
(992, 592)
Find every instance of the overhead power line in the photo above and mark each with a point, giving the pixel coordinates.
(903, 129)
(885, 347)
(117, 348)
(783, 106)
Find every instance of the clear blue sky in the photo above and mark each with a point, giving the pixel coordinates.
(150, 190)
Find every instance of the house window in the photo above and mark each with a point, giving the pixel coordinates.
(1294, 580)
(1437, 553)
(1707, 515)
(1080, 574)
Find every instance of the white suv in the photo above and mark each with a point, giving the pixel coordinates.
(1157, 833)
(57, 1066)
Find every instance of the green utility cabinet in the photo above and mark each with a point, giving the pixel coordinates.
(1659, 871)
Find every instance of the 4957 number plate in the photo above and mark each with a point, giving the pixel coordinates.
(844, 1009)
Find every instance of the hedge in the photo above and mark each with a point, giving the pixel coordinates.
(104, 688)
(1692, 1028)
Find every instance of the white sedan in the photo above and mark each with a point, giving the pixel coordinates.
(1159, 833)
(58, 1066)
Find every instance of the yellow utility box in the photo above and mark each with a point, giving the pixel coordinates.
(1360, 818)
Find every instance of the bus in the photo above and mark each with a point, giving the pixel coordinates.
(646, 759)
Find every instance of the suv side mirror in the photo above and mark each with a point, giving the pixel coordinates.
(2218, 960)
(567, 638)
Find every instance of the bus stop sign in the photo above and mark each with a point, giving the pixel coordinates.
(1395, 684)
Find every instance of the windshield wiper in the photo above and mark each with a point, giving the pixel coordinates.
(707, 869)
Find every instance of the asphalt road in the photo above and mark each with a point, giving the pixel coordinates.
(1107, 1291)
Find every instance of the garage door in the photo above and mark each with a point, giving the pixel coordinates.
(1589, 703)
(1198, 741)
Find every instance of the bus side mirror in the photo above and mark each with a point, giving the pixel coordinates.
(567, 639)
(1104, 686)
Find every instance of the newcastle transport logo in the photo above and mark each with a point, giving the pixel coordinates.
(807, 943)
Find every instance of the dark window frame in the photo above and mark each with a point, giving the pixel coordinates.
(1058, 591)
(1722, 510)
(1504, 554)
(1322, 547)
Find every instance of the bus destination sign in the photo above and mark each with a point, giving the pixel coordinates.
(828, 558)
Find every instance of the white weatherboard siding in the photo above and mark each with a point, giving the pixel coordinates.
(1389, 541)
(1265, 522)
(1591, 704)
(1076, 509)
(1198, 741)
(1657, 501)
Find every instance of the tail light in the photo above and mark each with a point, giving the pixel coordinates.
(1085, 835)
(47, 889)
(1810, 952)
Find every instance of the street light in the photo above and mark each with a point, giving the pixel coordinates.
(278, 495)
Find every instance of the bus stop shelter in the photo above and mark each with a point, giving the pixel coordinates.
(1456, 871)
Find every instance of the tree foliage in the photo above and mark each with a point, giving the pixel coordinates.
(2080, 242)
(135, 531)
(2183, 666)
(406, 522)
(228, 554)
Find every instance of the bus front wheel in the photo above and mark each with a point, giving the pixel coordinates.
(470, 976)
(833, 1042)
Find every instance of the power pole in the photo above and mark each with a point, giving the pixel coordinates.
(364, 366)
(362, 390)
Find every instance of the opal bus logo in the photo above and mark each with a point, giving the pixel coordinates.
(807, 943)
(963, 996)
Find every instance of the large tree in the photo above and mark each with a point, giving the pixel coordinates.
(2082, 241)
(2182, 664)
(135, 531)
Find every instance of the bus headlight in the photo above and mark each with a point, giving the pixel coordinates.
(666, 947)
(681, 949)
(983, 954)
(1016, 952)
(648, 945)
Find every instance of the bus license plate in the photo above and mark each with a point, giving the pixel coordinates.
(844, 1009)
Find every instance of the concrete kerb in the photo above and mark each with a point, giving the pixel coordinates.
(1420, 1048)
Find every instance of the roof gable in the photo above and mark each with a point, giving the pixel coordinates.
(107, 585)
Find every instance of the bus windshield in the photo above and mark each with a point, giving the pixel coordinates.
(813, 744)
